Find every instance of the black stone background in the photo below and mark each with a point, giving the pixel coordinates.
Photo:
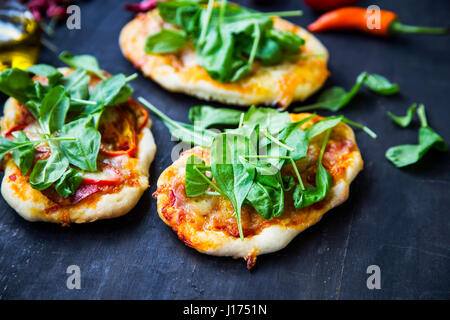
(396, 219)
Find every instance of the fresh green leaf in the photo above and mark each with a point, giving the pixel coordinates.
(112, 91)
(23, 157)
(69, 182)
(185, 132)
(83, 151)
(76, 84)
(84, 61)
(165, 41)
(18, 84)
(408, 154)
(6, 146)
(404, 121)
(195, 179)
(53, 109)
(48, 171)
(304, 197)
(380, 85)
(44, 70)
(322, 126)
(267, 118)
(207, 116)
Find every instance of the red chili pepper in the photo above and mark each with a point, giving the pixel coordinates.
(326, 5)
(354, 18)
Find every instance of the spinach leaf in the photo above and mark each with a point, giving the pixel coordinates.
(405, 155)
(112, 91)
(53, 109)
(47, 71)
(23, 157)
(69, 182)
(83, 151)
(404, 121)
(185, 132)
(304, 197)
(48, 171)
(165, 41)
(195, 178)
(288, 182)
(380, 85)
(322, 126)
(207, 116)
(84, 61)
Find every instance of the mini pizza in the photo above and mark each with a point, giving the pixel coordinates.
(73, 155)
(290, 64)
(208, 222)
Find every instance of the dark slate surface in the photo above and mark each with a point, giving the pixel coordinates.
(396, 219)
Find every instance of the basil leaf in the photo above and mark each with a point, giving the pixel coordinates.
(165, 41)
(194, 181)
(69, 182)
(23, 157)
(112, 91)
(404, 121)
(84, 61)
(380, 85)
(207, 116)
(408, 154)
(53, 109)
(83, 151)
(48, 171)
(47, 71)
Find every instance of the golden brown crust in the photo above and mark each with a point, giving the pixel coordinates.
(206, 223)
(280, 84)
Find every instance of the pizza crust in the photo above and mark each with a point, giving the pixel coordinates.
(269, 85)
(32, 205)
(271, 238)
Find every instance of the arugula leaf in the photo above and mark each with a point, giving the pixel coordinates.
(185, 132)
(76, 84)
(228, 38)
(48, 171)
(310, 195)
(322, 126)
(408, 154)
(207, 116)
(233, 177)
(195, 181)
(53, 109)
(267, 196)
(165, 41)
(267, 118)
(69, 182)
(380, 85)
(335, 98)
(112, 91)
(23, 157)
(404, 121)
(45, 70)
(17, 83)
(6, 146)
(84, 61)
(83, 151)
